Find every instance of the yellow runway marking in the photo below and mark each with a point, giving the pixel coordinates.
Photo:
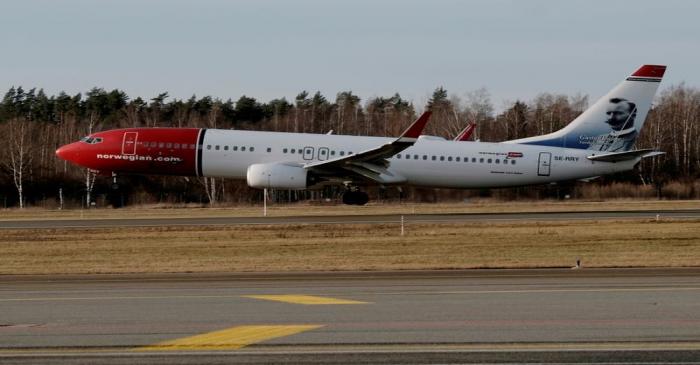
(305, 299)
(229, 339)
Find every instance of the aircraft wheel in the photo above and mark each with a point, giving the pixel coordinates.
(355, 198)
(362, 198)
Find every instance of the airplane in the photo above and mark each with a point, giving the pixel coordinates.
(599, 141)
(466, 133)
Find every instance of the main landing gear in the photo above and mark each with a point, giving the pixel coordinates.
(355, 197)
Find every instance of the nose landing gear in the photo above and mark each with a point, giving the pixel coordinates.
(115, 183)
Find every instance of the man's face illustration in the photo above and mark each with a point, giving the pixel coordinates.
(618, 114)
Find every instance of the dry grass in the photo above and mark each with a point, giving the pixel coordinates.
(350, 247)
(472, 206)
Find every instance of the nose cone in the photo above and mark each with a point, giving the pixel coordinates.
(68, 152)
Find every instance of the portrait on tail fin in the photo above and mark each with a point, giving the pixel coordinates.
(621, 115)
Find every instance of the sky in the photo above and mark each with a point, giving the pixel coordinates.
(269, 49)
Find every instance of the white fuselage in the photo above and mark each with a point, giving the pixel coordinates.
(430, 162)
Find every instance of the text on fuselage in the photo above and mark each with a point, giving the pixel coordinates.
(566, 158)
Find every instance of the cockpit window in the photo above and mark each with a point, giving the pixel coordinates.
(91, 140)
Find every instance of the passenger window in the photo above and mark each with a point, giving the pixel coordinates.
(153, 144)
(225, 148)
(457, 158)
(425, 157)
(489, 161)
(332, 153)
(474, 159)
(434, 158)
(466, 159)
(176, 145)
(284, 150)
(251, 149)
(498, 161)
(512, 162)
(398, 156)
(235, 148)
(442, 158)
(449, 158)
(415, 157)
(269, 149)
(216, 147)
(208, 146)
(481, 160)
(161, 144)
(342, 153)
(191, 146)
(242, 148)
(168, 145)
(294, 151)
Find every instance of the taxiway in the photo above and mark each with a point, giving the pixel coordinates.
(624, 315)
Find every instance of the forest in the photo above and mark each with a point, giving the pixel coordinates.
(33, 125)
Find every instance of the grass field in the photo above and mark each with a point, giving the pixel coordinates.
(351, 247)
(472, 206)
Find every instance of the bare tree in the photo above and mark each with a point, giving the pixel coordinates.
(209, 184)
(90, 177)
(479, 110)
(19, 154)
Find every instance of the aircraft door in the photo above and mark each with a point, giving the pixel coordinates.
(308, 153)
(544, 164)
(129, 143)
(323, 153)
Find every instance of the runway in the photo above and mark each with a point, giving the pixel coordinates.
(348, 219)
(516, 316)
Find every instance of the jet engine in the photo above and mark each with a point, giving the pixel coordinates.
(278, 176)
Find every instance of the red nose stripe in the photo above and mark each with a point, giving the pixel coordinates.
(160, 151)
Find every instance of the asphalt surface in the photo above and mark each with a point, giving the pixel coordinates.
(348, 219)
(511, 316)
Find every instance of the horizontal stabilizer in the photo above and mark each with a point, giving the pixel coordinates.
(625, 156)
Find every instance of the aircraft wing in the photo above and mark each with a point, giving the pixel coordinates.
(372, 164)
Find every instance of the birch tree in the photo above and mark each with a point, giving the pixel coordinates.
(19, 155)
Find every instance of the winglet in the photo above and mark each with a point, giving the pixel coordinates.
(466, 132)
(414, 130)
